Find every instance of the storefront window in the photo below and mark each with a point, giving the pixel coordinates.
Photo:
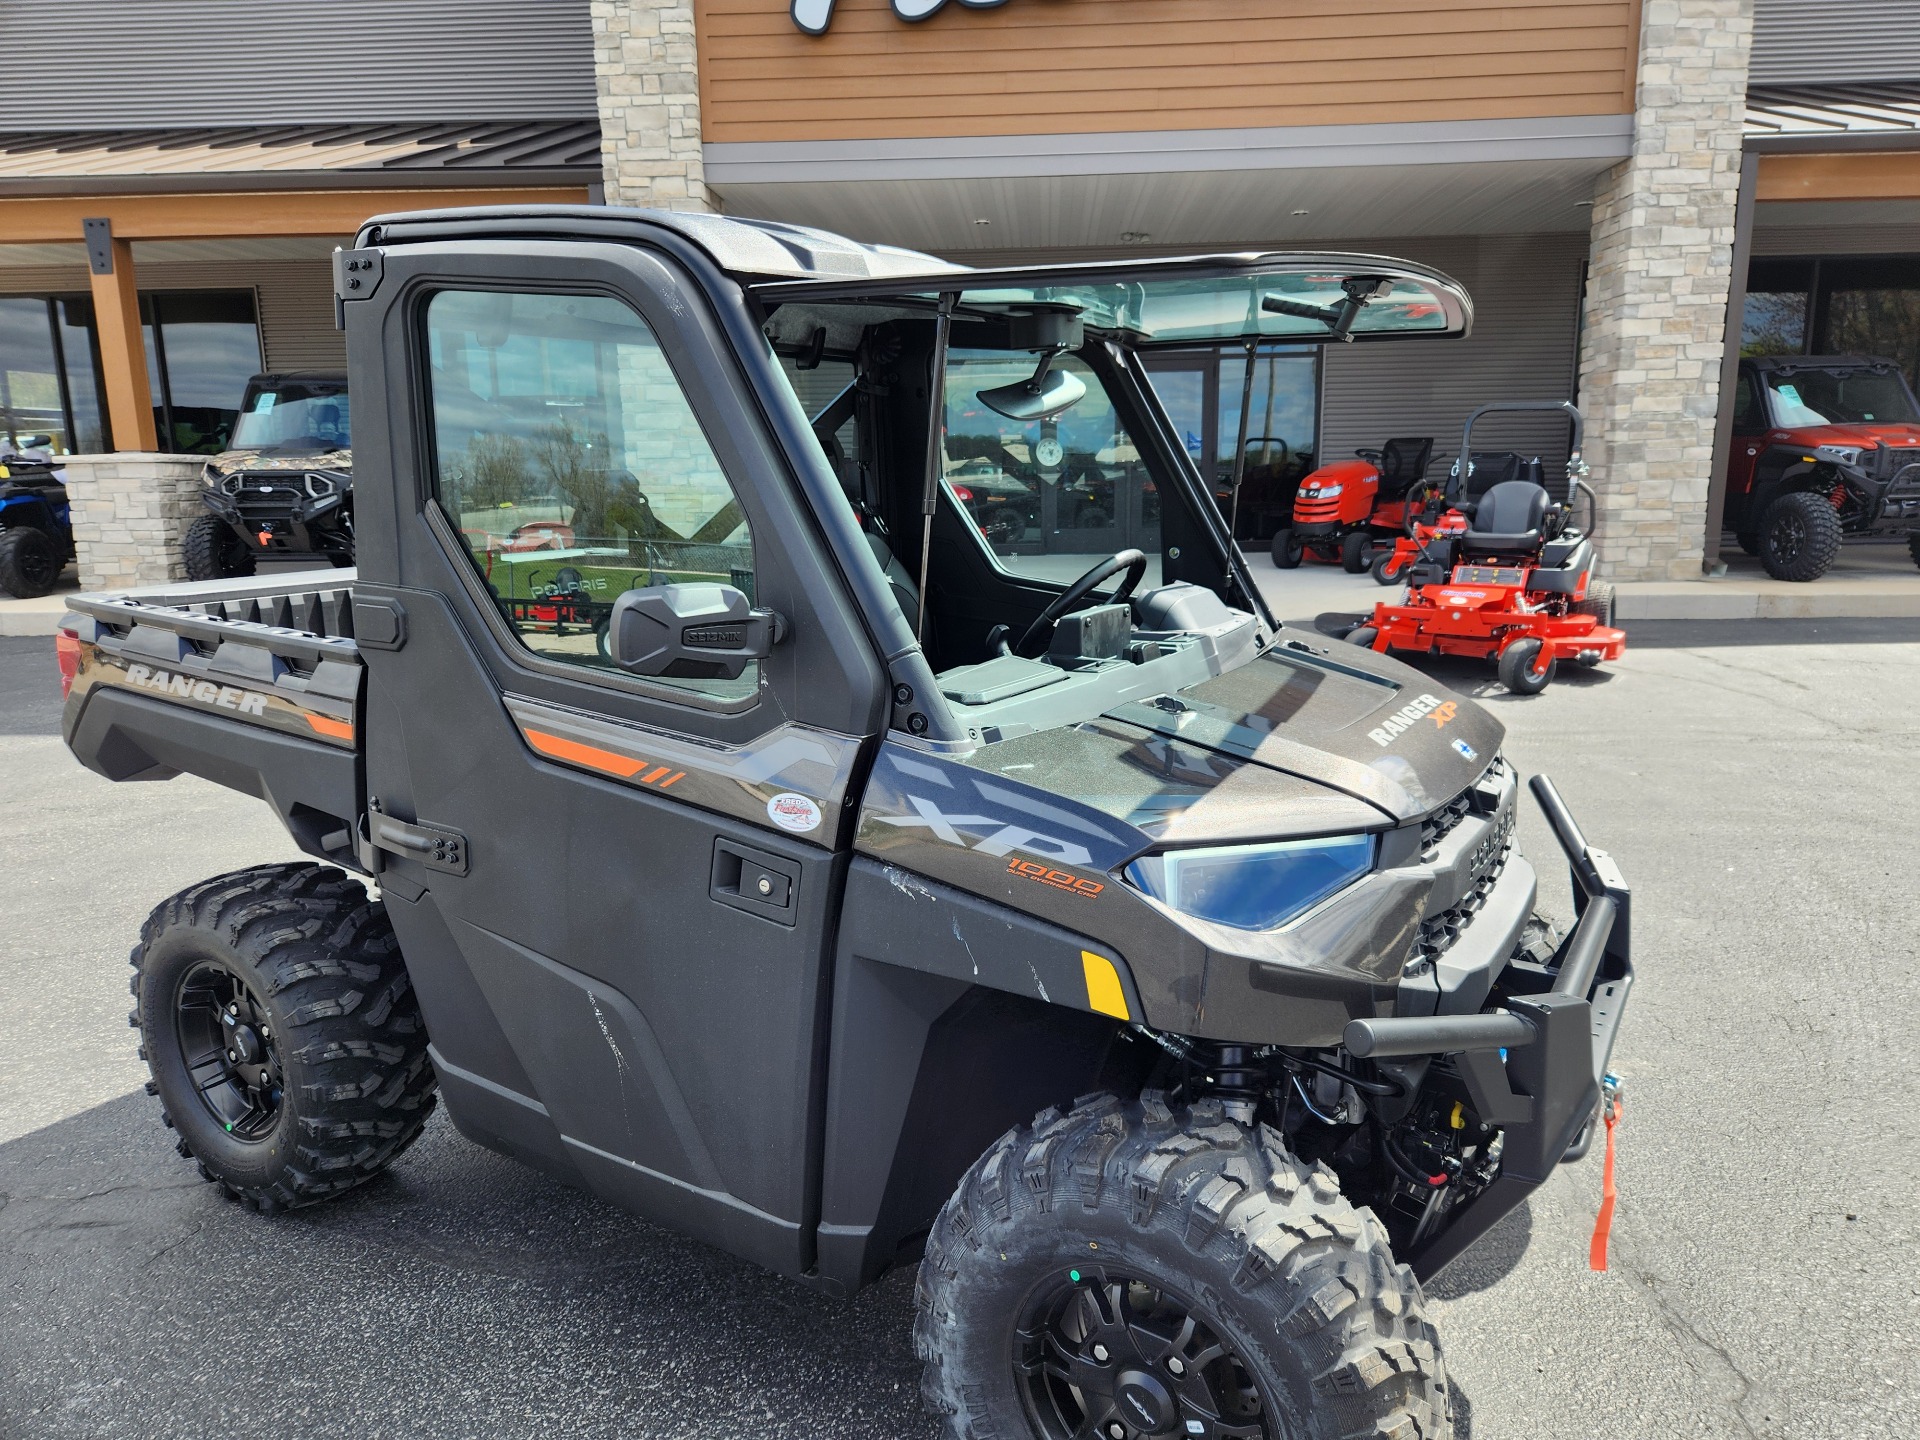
(31, 414)
(202, 348)
(1201, 390)
(1841, 305)
(1872, 307)
(1779, 307)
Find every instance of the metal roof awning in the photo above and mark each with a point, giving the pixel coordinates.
(304, 157)
(1866, 116)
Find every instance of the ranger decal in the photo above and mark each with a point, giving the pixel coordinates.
(1404, 719)
(185, 687)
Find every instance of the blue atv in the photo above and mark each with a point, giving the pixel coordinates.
(36, 537)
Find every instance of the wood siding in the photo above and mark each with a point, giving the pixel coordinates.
(1081, 66)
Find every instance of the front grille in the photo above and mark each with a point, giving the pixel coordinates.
(1439, 933)
(1437, 826)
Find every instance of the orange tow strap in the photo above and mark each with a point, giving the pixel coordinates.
(1603, 1223)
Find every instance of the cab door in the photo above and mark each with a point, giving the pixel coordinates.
(613, 893)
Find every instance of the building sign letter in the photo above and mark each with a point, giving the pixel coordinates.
(813, 16)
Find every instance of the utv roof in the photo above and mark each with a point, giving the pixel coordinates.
(1189, 299)
(749, 249)
(1792, 364)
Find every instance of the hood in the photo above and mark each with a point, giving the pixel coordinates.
(1309, 739)
(1897, 437)
(228, 461)
(1337, 716)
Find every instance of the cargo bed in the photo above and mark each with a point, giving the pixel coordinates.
(255, 685)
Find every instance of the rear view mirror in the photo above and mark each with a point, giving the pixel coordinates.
(1048, 393)
(690, 632)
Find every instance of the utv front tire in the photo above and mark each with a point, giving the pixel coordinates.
(1799, 536)
(1158, 1270)
(212, 551)
(30, 562)
(282, 1033)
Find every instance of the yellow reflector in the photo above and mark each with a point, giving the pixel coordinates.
(1103, 986)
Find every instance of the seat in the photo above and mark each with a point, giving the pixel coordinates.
(1508, 519)
(1488, 468)
(1403, 464)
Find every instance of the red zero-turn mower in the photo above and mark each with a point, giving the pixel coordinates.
(1504, 575)
(1352, 508)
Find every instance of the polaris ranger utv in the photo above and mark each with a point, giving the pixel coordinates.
(1824, 447)
(286, 486)
(1163, 979)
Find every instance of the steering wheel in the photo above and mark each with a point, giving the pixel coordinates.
(1074, 597)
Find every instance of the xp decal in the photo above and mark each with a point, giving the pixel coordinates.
(813, 16)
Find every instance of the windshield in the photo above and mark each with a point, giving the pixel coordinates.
(305, 415)
(1192, 311)
(1046, 496)
(1841, 397)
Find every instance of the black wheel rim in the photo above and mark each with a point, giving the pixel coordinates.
(39, 564)
(1788, 535)
(1104, 1355)
(228, 1047)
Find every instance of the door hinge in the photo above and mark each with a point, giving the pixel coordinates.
(435, 846)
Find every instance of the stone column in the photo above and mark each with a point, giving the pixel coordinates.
(1656, 306)
(130, 511)
(647, 74)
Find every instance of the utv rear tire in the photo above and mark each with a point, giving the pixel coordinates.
(1516, 668)
(213, 552)
(1599, 603)
(1185, 1218)
(30, 562)
(1748, 541)
(1288, 550)
(324, 1078)
(1356, 553)
(1799, 536)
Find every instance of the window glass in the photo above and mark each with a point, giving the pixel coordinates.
(294, 415)
(1046, 494)
(74, 314)
(31, 414)
(1281, 422)
(202, 348)
(1748, 417)
(1775, 323)
(571, 463)
(1829, 397)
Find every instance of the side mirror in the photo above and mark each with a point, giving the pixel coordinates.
(690, 632)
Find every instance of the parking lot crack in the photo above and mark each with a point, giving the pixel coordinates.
(1696, 1344)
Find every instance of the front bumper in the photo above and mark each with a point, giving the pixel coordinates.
(1534, 1069)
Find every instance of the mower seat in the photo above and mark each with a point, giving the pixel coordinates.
(1403, 464)
(1508, 519)
(1488, 468)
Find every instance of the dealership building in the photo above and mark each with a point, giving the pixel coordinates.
(1610, 179)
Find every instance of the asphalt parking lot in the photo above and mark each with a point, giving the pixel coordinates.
(1751, 779)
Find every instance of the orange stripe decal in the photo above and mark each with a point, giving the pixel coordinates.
(677, 775)
(327, 725)
(654, 774)
(591, 756)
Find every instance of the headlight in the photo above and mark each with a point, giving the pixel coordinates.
(1326, 492)
(1848, 455)
(1253, 887)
